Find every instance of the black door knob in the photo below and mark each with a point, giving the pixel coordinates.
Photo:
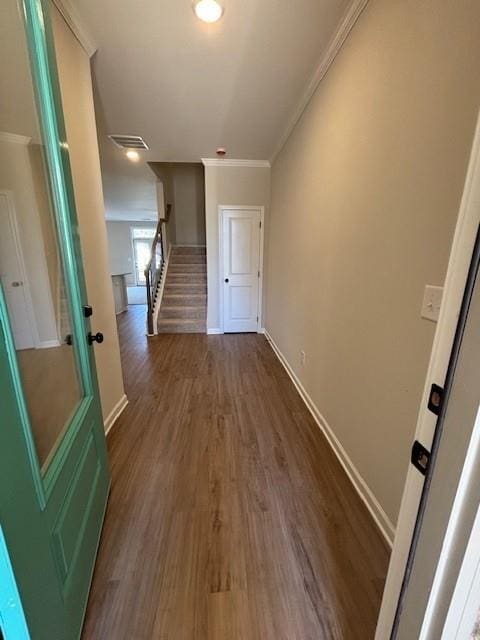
(227, 280)
(98, 337)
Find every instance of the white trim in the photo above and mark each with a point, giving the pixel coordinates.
(115, 414)
(463, 609)
(48, 344)
(348, 21)
(466, 493)
(137, 221)
(158, 302)
(215, 162)
(366, 494)
(14, 138)
(73, 19)
(231, 207)
(457, 272)
(214, 332)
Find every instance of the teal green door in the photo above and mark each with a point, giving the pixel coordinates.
(54, 474)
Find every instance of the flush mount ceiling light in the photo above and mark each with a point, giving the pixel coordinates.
(133, 156)
(208, 10)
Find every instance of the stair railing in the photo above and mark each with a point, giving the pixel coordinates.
(153, 270)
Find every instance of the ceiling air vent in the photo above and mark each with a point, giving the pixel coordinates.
(129, 142)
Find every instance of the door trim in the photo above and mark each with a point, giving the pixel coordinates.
(455, 282)
(221, 249)
(12, 618)
(463, 608)
(12, 215)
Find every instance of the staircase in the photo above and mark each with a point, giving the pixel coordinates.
(184, 302)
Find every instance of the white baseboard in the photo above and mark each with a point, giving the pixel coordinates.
(48, 344)
(366, 494)
(214, 332)
(115, 414)
(262, 330)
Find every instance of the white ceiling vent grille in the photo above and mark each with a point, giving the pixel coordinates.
(129, 142)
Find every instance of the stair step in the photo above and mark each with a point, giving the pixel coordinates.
(187, 268)
(185, 299)
(187, 259)
(176, 325)
(189, 278)
(185, 288)
(182, 251)
(191, 312)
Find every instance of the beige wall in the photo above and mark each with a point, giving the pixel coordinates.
(230, 186)
(365, 196)
(189, 187)
(76, 89)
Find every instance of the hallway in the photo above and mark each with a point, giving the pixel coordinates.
(229, 516)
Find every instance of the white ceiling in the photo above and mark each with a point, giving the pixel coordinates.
(187, 87)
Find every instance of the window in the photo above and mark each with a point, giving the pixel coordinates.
(142, 238)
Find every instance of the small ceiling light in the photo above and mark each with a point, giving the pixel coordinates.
(208, 10)
(134, 156)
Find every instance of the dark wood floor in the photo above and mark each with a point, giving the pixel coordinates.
(229, 518)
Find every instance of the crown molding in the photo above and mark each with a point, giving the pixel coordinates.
(74, 21)
(346, 24)
(216, 162)
(14, 138)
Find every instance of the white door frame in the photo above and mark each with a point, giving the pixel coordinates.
(465, 604)
(230, 207)
(455, 282)
(12, 214)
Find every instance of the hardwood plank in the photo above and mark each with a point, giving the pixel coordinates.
(230, 518)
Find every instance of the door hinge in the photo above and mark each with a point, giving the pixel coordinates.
(420, 457)
(259, 274)
(260, 224)
(435, 399)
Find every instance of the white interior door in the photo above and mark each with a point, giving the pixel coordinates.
(241, 269)
(13, 277)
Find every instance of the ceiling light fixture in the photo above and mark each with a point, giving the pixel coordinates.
(208, 10)
(134, 156)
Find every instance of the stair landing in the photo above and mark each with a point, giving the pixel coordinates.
(184, 302)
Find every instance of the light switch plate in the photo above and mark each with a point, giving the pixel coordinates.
(432, 300)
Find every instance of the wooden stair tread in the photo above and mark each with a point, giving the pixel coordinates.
(184, 303)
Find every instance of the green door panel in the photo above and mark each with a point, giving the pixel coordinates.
(23, 522)
(52, 509)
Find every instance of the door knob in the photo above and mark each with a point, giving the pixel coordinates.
(97, 337)
(227, 280)
(17, 284)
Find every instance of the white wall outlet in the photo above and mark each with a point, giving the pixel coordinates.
(303, 358)
(432, 300)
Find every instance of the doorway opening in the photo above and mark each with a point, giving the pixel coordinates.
(142, 239)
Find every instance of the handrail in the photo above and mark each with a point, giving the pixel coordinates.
(153, 270)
